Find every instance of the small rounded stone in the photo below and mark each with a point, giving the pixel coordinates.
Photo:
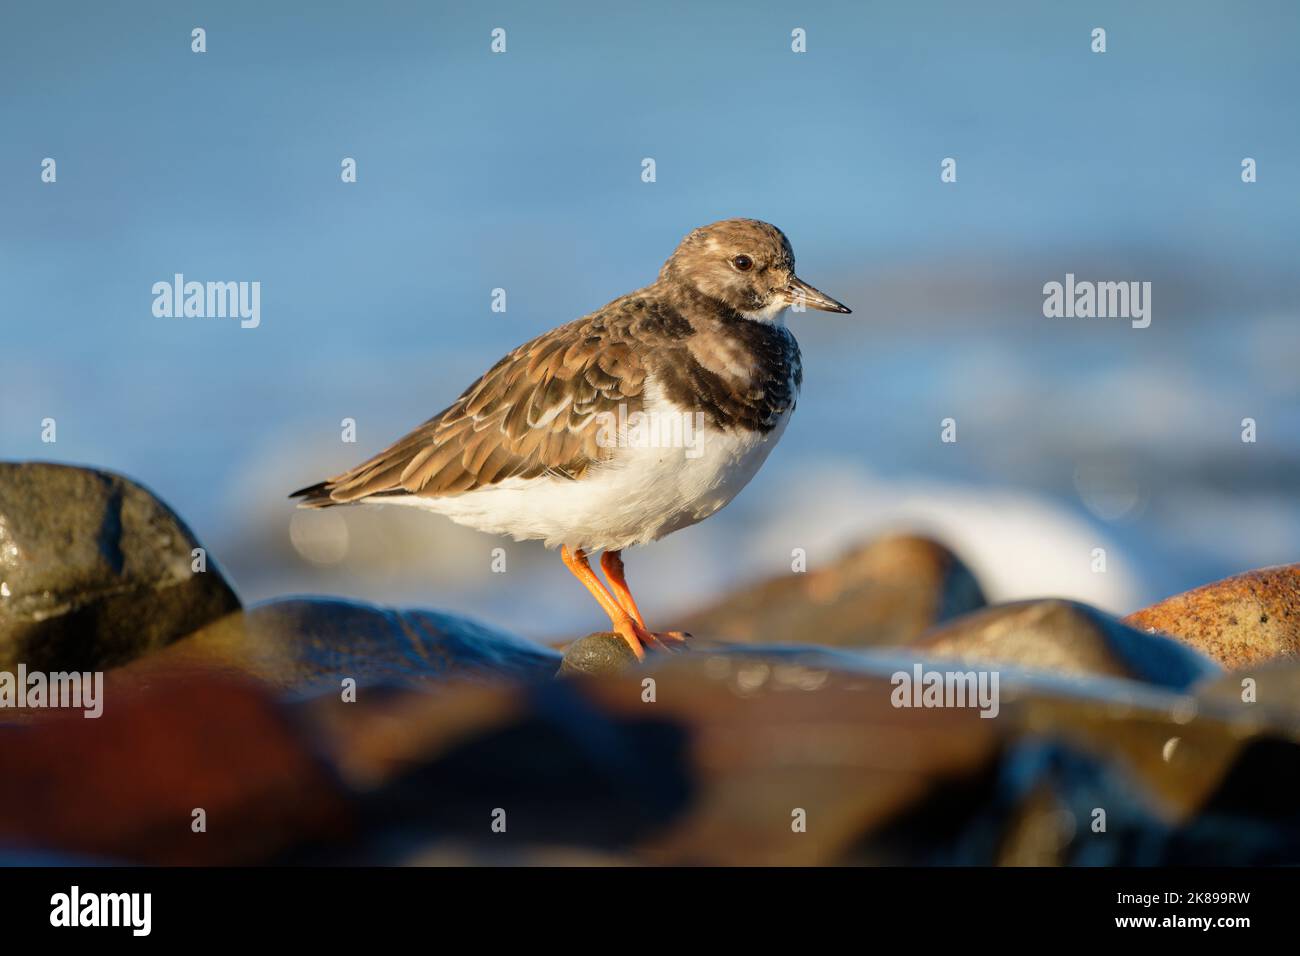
(601, 653)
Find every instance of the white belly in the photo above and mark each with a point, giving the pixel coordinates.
(642, 494)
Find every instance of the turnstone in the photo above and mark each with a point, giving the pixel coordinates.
(555, 441)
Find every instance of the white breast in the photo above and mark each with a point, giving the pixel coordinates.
(650, 488)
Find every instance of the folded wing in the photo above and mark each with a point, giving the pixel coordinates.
(536, 412)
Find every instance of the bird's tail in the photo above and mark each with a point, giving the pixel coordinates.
(315, 496)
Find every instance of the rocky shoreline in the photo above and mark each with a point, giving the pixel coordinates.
(333, 731)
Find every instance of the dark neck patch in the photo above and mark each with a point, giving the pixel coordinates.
(770, 354)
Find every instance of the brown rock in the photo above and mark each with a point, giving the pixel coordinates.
(877, 783)
(886, 592)
(750, 757)
(94, 570)
(1238, 621)
(791, 758)
(709, 772)
(1065, 638)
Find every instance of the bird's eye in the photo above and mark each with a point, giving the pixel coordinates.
(743, 263)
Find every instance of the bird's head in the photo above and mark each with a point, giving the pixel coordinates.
(748, 266)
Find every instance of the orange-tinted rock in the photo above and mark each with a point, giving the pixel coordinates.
(886, 592)
(125, 786)
(1238, 621)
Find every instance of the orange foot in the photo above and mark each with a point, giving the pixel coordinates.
(619, 605)
(671, 641)
(611, 562)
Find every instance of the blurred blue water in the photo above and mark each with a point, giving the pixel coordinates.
(522, 171)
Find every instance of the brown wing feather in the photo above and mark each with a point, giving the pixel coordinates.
(533, 413)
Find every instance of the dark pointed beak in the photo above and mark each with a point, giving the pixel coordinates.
(800, 293)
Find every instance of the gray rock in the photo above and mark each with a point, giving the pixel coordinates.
(94, 570)
(1267, 693)
(1066, 638)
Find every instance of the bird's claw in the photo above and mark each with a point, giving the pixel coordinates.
(670, 642)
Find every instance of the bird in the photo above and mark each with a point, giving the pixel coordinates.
(627, 424)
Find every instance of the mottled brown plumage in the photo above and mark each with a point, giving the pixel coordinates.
(531, 414)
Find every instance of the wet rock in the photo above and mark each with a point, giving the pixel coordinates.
(1267, 693)
(729, 756)
(94, 570)
(306, 645)
(778, 732)
(601, 653)
(1171, 749)
(1055, 805)
(709, 771)
(886, 592)
(799, 757)
(1065, 637)
(1238, 621)
(125, 787)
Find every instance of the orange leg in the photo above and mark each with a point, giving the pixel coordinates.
(611, 562)
(624, 624)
